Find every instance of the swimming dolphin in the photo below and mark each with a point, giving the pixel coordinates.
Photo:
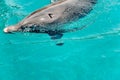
(51, 18)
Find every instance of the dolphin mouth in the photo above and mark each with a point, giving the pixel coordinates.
(10, 29)
(5, 30)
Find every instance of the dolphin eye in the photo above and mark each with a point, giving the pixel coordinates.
(50, 15)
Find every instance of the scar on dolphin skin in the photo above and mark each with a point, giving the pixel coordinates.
(50, 18)
(50, 15)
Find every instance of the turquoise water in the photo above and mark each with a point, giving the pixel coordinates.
(90, 54)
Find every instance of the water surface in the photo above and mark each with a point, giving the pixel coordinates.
(90, 54)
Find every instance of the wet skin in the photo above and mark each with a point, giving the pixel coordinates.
(51, 19)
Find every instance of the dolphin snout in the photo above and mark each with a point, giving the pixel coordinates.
(10, 29)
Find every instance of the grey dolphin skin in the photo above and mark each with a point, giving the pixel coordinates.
(50, 18)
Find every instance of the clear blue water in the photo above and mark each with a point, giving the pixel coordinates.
(90, 54)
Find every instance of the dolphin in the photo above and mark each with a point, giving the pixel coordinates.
(52, 18)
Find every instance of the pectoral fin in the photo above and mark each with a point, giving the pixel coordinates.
(56, 36)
